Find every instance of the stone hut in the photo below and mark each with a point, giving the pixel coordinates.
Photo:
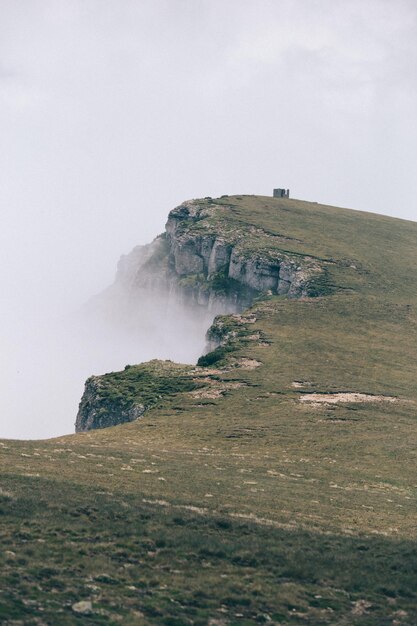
(281, 193)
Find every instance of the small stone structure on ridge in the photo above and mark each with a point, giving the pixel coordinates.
(281, 193)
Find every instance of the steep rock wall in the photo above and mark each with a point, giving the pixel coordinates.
(204, 264)
(98, 410)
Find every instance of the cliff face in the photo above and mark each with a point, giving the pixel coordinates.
(124, 396)
(207, 262)
(204, 260)
(99, 410)
(210, 254)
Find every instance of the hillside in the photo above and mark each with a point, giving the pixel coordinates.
(275, 481)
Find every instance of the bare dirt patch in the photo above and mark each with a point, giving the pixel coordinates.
(318, 399)
(215, 389)
(244, 319)
(247, 364)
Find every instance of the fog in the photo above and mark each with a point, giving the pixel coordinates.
(112, 113)
(50, 355)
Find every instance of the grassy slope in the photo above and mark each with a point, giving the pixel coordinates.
(250, 507)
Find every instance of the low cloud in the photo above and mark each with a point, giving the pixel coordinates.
(112, 113)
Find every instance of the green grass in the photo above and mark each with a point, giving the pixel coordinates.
(149, 384)
(140, 563)
(245, 506)
(382, 249)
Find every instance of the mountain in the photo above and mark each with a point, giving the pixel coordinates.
(208, 261)
(272, 482)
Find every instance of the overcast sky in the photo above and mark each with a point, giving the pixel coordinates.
(114, 111)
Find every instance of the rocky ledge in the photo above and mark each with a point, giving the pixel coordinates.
(207, 259)
(120, 397)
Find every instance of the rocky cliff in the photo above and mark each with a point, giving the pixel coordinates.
(120, 397)
(207, 259)
(210, 261)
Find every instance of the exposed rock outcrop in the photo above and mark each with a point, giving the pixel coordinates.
(206, 261)
(124, 396)
(100, 410)
(203, 260)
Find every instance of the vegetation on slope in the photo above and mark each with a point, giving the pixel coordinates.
(140, 563)
(120, 397)
(280, 489)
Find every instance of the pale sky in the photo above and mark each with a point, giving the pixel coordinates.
(114, 111)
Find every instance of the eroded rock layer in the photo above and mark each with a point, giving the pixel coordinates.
(206, 260)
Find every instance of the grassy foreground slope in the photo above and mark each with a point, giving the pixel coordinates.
(281, 489)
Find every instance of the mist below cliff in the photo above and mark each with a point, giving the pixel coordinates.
(46, 356)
